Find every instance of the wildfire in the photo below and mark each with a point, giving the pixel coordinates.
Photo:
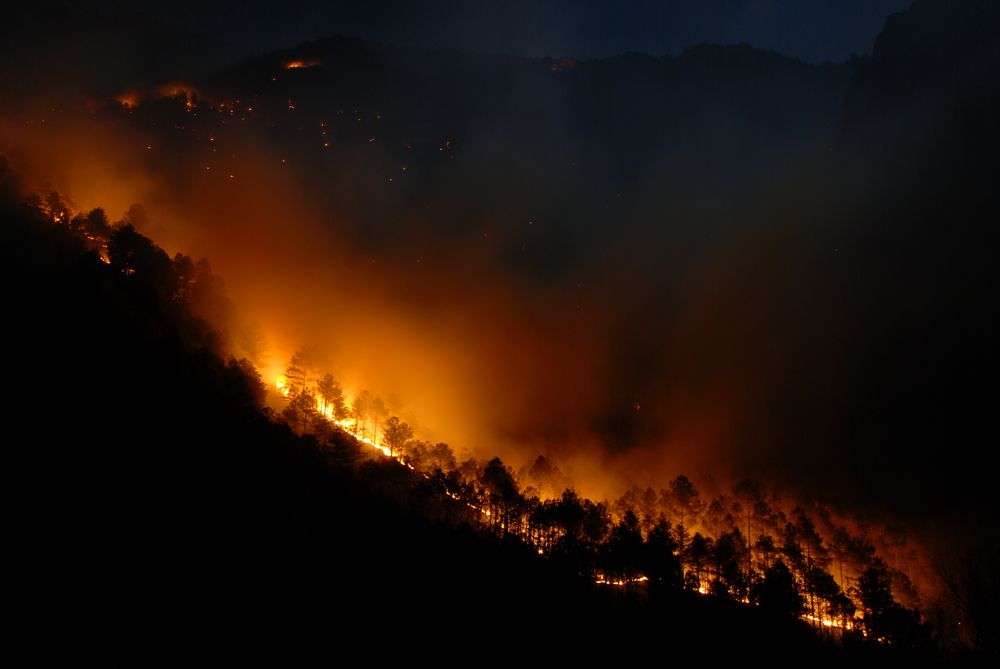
(350, 427)
(853, 623)
(833, 623)
(128, 99)
(131, 99)
(281, 385)
(301, 64)
(620, 582)
(175, 89)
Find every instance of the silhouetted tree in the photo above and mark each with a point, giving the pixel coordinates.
(501, 491)
(660, 562)
(811, 554)
(624, 549)
(542, 524)
(766, 550)
(647, 508)
(250, 381)
(729, 553)
(596, 521)
(378, 413)
(570, 515)
(208, 296)
(751, 499)
(441, 456)
(545, 475)
(415, 454)
(301, 370)
(581, 526)
(55, 207)
(821, 584)
(397, 434)
(884, 617)
(698, 552)
(717, 516)
(332, 396)
(301, 411)
(777, 592)
(684, 502)
(186, 276)
(629, 501)
(683, 539)
(136, 216)
(143, 263)
(361, 411)
(94, 228)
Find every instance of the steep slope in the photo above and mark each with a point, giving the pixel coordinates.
(157, 503)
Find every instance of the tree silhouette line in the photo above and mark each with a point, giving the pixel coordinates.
(741, 545)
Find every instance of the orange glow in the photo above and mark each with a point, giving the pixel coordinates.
(834, 623)
(301, 64)
(602, 580)
(131, 99)
(456, 352)
(175, 89)
(128, 99)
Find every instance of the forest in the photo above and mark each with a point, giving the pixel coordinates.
(176, 448)
(415, 353)
(740, 545)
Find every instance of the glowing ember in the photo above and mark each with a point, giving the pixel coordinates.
(602, 580)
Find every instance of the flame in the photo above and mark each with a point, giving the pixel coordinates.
(834, 623)
(131, 99)
(603, 580)
(301, 64)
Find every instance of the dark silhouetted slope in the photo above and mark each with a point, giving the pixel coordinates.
(157, 504)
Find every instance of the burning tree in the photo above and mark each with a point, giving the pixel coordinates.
(396, 434)
(332, 396)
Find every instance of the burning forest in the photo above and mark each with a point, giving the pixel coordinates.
(746, 543)
(693, 342)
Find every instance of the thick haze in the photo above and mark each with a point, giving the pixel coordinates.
(726, 263)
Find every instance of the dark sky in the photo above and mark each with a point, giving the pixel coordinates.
(813, 30)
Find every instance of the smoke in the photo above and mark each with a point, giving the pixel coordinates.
(675, 284)
(469, 356)
(615, 383)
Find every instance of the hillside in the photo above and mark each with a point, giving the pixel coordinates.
(156, 491)
(456, 329)
(814, 229)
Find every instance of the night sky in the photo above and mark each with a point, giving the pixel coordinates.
(187, 39)
(813, 30)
